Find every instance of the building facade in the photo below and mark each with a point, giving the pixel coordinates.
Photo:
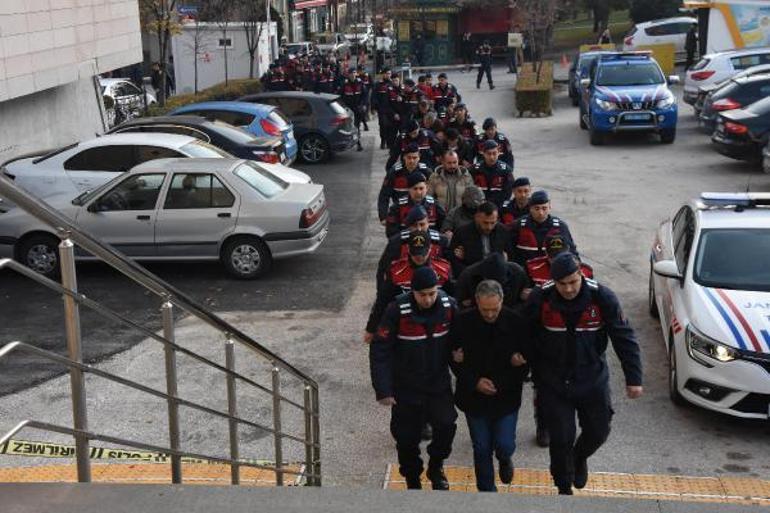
(51, 52)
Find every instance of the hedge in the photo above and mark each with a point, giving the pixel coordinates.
(220, 92)
(532, 95)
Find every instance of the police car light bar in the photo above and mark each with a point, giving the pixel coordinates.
(638, 54)
(735, 199)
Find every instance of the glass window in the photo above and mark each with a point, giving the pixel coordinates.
(292, 107)
(279, 119)
(267, 184)
(683, 28)
(734, 259)
(646, 73)
(137, 192)
(104, 158)
(657, 30)
(147, 153)
(197, 191)
(683, 242)
(337, 108)
(764, 58)
(745, 61)
(233, 133)
(202, 150)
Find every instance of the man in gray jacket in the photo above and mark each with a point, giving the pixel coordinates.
(448, 181)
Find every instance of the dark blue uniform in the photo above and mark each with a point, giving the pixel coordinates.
(528, 237)
(395, 186)
(396, 218)
(409, 361)
(567, 355)
(425, 140)
(397, 248)
(495, 181)
(503, 144)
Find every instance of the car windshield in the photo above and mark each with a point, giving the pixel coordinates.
(295, 48)
(264, 182)
(760, 107)
(630, 75)
(203, 150)
(734, 258)
(585, 63)
(88, 195)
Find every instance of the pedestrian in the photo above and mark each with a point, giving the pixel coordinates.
(691, 45)
(413, 135)
(448, 181)
(353, 98)
(418, 50)
(571, 319)
(463, 214)
(492, 175)
(518, 206)
(467, 51)
(443, 93)
(530, 233)
(490, 340)
(491, 133)
(455, 142)
(462, 122)
(395, 221)
(484, 54)
(381, 104)
(409, 364)
(509, 275)
(475, 241)
(539, 268)
(396, 183)
(605, 38)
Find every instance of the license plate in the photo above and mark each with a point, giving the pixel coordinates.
(637, 117)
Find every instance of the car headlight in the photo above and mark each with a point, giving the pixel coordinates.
(699, 345)
(605, 105)
(666, 102)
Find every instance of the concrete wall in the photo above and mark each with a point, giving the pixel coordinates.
(211, 67)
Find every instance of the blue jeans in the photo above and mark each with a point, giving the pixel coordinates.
(487, 435)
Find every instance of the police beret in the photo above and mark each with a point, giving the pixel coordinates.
(394, 75)
(564, 265)
(442, 75)
(411, 148)
(417, 213)
(411, 125)
(424, 278)
(489, 123)
(521, 182)
(489, 145)
(415, 178)
(419, 243)
(460, 105)
(539, 198)
(408, 82)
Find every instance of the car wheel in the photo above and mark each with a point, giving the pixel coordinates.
(314, 149)
(668, 136)
(575, 101)
(673, 375)
(41, 254)
(766, 163)
(246, 258)
(582, 121)
(597, 138)
(652, 305)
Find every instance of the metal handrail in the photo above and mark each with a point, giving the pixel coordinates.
(70, 234)
(64, 226)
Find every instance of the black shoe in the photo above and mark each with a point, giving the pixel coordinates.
(581, 473)
(360, 148)
(383, 145)
(437, 478)
(427, 432)
(366, 128)
(491, 87)
(413, 483)
(542, 437)
(478, 86)
(506, 471)
(565, 490)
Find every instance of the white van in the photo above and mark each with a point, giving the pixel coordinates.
(658, 32)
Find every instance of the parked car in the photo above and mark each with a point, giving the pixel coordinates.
(260, 120)
(581, 64)
(230, 210)
(321, 123)
(704, 91)
(295, 50)
(710, 288)
(627, 92)
(659, 32)
(235, 141)
(738, 93)
(360, 35)
(127, 98)
(742, 134)
(718, 67)
(327, 42)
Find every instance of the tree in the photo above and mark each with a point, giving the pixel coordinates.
(251, 14)
(160, 17)
(221, 12)
(199, 43)
(646, 10)
(540, 18)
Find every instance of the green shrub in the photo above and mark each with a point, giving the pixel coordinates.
(220, 92)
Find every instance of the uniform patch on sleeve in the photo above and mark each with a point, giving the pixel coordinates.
(383, 332)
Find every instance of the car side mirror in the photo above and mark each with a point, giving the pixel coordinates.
(667, 269)
(585, 82)
(673, 79)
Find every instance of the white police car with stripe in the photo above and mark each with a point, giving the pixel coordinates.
(710, 287)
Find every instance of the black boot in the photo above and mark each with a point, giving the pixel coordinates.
(491, 87)
(427, 432)
(506, 471)
(413, 483)
(383, 145)
(565, 490)
(581, 473)
(542, 437)
(437, 477)
(360, 148)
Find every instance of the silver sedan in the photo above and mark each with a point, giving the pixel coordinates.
(232, 210)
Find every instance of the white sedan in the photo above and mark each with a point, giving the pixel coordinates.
(710, 287)
(87, 165)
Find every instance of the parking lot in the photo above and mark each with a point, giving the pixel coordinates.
(312, 309)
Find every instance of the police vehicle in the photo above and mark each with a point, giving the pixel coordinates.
(627, 92)
(710, 287)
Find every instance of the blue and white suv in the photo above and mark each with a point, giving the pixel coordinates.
(627, 92)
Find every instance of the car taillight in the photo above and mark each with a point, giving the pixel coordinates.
(736, 128)
(725, 104)
(270, 157)
(269, 127)
(628, 41)
(309, 217)
(339, 120)
(702, 75)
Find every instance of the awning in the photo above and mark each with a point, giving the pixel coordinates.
(307, 4)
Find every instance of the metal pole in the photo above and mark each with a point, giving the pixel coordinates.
(269, 38)
(74, 349)
(316, 435)
(277, 426)
(232, 409)
(167, 313)
(309, 465)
